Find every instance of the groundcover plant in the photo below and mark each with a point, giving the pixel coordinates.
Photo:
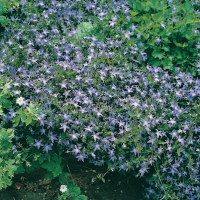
(82, 80)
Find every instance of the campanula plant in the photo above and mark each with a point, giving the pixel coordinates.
(90, 69)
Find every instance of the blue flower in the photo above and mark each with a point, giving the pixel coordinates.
(38, 143)
(47, 148)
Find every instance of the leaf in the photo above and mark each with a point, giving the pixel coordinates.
(49, 175)
(20, 169)
(1, 111)
(4, 20)
(181, 45)
(23, 117)
(80, 197)
(158, 17)
(52, 167)
(137, 5)
(135, 139)
(74, 191)
(6, 181)
(156, 5)
(187, 7)
(154, 62)
(133, 14)
(139, 148)
(166, 48)
(63, 178)
(157, 53)
(16, 120)
(85, 29)
(146, 17)
(167, 64)
(28, 120)
(4, 102)
(30, 139)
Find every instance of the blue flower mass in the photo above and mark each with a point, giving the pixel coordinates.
(114, 82)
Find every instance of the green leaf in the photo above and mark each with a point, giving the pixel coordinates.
(157, 53)
(103, 179)
(181, 45)
(145, 17)
(167, 64)
(154, 62)
(139, 148)
(28, 120)
(20, 169)
(41, 159)
(74, 190)
(187, 7)
(30, 139)
(49, 175)
(166, 48)
(133, 14)
(80, 197)
(85, 29)
(5, 180)
(1, 111)
(63, 178)
(23, 117)
(4, 20)
(158, 17)
(16, 120)
(156, 5)
(53, 167)
(137, 5)
(4, 102)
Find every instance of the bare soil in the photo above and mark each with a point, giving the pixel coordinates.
(33, 186)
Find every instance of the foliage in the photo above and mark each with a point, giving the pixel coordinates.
(169, 32)
(5, 7)
(85, 29)
(17, 117)
(95, 96)
(8, 162)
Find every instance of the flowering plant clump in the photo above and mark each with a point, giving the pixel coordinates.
(98, 94)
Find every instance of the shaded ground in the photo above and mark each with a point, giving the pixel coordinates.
(33, 186)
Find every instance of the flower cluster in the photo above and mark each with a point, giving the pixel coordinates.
(100, 99)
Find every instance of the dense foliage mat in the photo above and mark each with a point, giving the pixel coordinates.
(113, 82)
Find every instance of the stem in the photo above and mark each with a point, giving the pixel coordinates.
(159, 180)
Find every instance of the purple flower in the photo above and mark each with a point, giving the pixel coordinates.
(23, 2)
(76, 149)
(80, 157)
(74, 136)
(38, 143)
(14, 149)
(47, 148)
(64, 126)
(198, 45)
(143, 170)
(162, 25)
(97, 147)
(52, 137)
(157, 40)
(123, 167)
(95, 136)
